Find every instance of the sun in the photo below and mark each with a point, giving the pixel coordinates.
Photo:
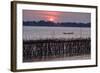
(51, 19)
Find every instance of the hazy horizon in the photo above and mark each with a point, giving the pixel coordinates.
(56, 16)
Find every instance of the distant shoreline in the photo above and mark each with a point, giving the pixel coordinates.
(53, 24)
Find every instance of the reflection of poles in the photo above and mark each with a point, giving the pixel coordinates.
(80, 32)
(53, 34)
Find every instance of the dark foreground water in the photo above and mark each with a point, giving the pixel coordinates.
(56, 49)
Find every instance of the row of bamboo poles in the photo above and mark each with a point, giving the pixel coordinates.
(50, 49)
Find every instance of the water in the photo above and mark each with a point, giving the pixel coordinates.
(34, 33)
(49, 50)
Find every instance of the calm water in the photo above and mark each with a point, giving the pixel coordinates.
(33, 33)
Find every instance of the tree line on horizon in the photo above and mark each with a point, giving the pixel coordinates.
(55, 24)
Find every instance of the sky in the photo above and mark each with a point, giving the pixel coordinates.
(56, 16)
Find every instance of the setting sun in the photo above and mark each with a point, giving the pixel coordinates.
(51, 19)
